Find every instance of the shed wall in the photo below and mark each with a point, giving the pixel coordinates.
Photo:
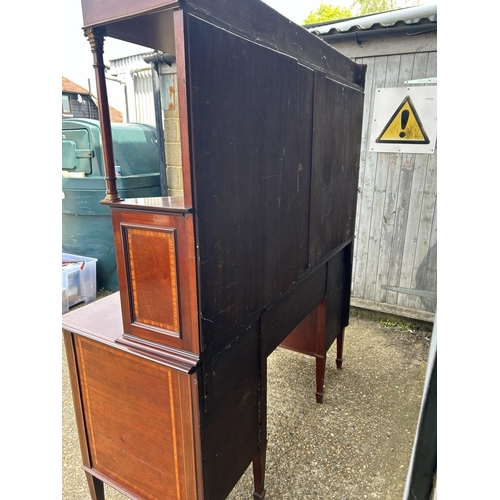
(396, 219)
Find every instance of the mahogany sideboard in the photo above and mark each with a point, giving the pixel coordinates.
(169, 374)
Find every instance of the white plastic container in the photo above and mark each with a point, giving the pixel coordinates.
(65, 303)
(78, 279)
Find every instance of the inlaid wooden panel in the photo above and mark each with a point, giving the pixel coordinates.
(153, 276)
(139, 421)
(155, 259)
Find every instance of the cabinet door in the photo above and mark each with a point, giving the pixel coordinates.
(139, 423)
(156, 271)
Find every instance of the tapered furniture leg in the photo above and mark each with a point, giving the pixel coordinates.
(259, 468)
(320, 349)
(340, 349)
(96, 487)
(320, 377)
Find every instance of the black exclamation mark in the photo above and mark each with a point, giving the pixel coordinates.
(404, 121)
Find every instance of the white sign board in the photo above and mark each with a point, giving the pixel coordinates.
(404, 120)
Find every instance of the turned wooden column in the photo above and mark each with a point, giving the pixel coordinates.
(95, 37)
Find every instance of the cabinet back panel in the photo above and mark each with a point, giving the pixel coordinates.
(251, 126)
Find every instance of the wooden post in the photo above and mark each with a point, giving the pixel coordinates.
(95, 37)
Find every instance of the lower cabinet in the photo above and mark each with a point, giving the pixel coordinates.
(156, 425)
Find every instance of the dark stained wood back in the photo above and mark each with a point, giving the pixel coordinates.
(275, 149)
(251, 140)
(338, 114)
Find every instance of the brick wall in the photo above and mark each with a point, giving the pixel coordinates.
(172, 138)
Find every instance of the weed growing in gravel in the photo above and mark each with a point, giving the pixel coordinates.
(401, 325)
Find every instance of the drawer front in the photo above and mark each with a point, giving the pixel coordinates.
(139, 424)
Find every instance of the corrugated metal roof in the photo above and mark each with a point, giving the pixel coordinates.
(129, 63)
(422, 14)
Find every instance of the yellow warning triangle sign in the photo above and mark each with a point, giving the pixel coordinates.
(404, 126)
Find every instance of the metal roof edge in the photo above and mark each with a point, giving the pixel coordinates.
(408, 15)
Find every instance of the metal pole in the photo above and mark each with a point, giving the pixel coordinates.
(159, 127)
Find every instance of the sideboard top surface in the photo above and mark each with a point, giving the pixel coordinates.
(101, 318)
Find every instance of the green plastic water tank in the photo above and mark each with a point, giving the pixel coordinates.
(86, 223)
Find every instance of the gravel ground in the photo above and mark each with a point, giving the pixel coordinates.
(355, 445)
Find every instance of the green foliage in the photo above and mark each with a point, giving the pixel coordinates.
(327, 13)
(407, 326)
(364, 7)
